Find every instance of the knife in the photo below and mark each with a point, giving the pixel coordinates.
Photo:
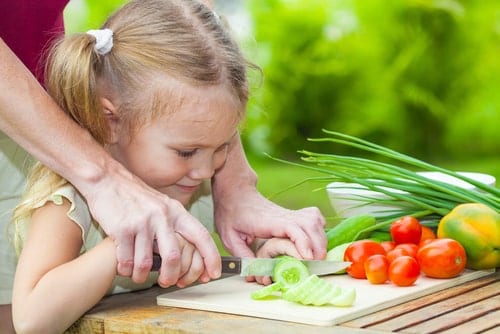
(253, 266)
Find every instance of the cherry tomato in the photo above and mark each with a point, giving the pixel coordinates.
(388, 245)
(442, 258)
(357, 252)
(411, 249)
(376, 269)
(404, 271)
(406, 229)
(427, 234)
(395, 253)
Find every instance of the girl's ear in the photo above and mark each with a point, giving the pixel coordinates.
(111, 114)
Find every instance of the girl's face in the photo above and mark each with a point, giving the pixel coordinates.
(176, 152)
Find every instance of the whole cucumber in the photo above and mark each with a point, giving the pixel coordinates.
(348, 229)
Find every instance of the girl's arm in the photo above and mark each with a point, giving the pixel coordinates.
(54, 286)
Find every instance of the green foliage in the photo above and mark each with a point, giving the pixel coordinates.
(82, 15)
(417, 76)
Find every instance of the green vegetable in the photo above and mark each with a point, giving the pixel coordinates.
(337, 254)
(414, 194)
(267, 291)
(380, 236)
(317, 291)
(289, 271)
(349, 229)
(293, 279)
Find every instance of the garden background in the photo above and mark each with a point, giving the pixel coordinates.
(418, 76)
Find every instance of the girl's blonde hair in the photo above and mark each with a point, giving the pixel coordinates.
(181, 39)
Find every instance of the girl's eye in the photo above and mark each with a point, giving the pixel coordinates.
(186, 154)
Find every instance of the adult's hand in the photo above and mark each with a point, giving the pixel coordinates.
(135, 216)
(128, 210)
(242, 213)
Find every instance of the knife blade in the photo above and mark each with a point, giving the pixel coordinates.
(249, 266)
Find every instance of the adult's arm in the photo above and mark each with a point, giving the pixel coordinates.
(131, 212)
(242, 213)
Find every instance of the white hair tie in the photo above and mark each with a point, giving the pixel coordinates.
(103, 40)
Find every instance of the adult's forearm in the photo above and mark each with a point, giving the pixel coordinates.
(31, 118)
(236, 174)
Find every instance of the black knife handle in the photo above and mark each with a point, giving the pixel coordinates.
(156, 262)
(231, 265)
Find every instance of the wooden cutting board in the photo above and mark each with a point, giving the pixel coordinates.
(232, 295)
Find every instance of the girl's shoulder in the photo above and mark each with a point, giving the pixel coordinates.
(77, 211)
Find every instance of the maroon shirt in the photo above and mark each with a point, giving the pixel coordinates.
(28, 27)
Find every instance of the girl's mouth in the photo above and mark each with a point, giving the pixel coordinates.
(188, 188)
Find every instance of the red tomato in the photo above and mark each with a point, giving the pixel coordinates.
(388, 245)
(395, 253)
(376, 269)
(411, 249)
(404, 271)
(442, 258)
(357, 252)
(427, 234)
(406, 229)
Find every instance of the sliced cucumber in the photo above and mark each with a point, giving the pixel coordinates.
(266, 291)
(293, 279)
(347, 297)
(313, 291)
(289, 271)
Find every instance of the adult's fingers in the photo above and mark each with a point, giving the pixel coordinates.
(237, 244)
(194, 232)
(143, 256)
(306, 230)
(315, 230)
(170, 253)
(125, 253)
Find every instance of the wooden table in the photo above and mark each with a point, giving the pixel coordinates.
(473, 307)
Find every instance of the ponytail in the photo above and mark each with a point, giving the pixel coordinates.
(71, 79)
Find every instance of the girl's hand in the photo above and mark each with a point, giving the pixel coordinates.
(192, 267)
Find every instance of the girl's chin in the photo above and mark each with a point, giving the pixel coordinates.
(185, 200)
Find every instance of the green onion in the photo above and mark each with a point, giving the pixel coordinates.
(411, 192)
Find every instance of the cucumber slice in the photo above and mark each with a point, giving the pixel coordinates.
(346, 298)
(289, 271)
(313, 291)
(266, 291)
(294, 280)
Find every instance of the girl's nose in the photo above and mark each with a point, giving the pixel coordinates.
(204, 170)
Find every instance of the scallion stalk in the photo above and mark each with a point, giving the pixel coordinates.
(414, 193)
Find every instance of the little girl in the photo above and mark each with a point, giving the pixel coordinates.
(162, 87)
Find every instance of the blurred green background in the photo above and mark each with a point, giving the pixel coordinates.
(418, 76)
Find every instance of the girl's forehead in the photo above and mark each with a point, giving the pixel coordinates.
(174, 95)
(191, 107)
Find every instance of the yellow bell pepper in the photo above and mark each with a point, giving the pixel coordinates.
(477, 227)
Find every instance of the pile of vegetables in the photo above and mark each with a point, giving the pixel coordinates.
(470, 216)
(413, 249)
(438, 230)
